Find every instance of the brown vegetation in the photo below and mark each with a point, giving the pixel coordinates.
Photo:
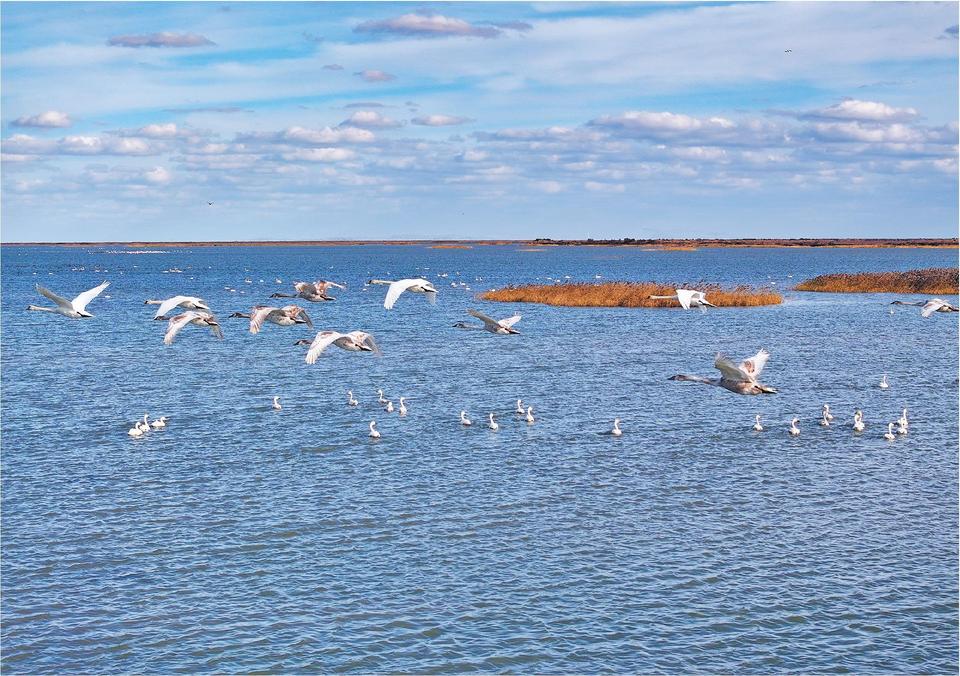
(627, 294)
(450, 246)
(929, 280)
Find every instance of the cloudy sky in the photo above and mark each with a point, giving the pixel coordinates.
(477, 120)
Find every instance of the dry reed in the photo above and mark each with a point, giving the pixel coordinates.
(627, 294)
(929, 280)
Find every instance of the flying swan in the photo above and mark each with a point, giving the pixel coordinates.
(288, 315)
(186, 302)
(502, 327)
(75, 308)
(930, 306)
(311, 291)
(418, 285)
(741, 379)
(355, 341)
(689, 297)
(195, 317)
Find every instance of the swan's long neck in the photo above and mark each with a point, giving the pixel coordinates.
(673, 297)
(153, 302)
(40, 309)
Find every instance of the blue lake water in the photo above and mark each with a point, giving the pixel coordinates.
(245, 539)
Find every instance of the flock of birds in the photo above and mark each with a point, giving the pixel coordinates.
(739, 378)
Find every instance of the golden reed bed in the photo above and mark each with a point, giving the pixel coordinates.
(627, 294)
(941, 281)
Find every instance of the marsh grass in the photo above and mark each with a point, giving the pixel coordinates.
(928, 280)
(627, 294)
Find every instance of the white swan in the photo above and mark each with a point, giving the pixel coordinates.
(502, 327)
(757, 427)
(824, 422)
(374, 433)
(858, 421)
(186, 302)
(350, 400)
(464, 420)
(826, 412)
(75, 308)
(889, 436)
(403, 409)
(288, 315)
(616, 431)
(355, 341)
(159, 423)
(135, 431)
(520, 406)
(741, 379)
(688, 297)
(902, 420)
(883, 382)
(381, 399)
(418, 285)
(389, 407)
(493, 424)
(311, 291)
(930, 306)
(530, 419)
(276, 404)
(195, 317)
(794, 430)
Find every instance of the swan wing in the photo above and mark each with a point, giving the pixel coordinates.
(176, 324)
(754, 365)
(366, 339)
(323, 285)
(323, 340)
(215, 329)
(169, 304)
(930, 307)
(729, 370)
(396, 288)
(80, 302)
(686, 296)
(59, 300)
(303, 313)
(509, 321)
(489, 322)
(259, 316)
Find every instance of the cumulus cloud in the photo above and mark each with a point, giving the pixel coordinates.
(427, 26)
(158, 130)
(157, 176)
(47, 119)
(440, 120)
(661, 123)
(864, 133)
(325, 135)
(370, 119)
(318, 155)
(867, 111)
(178, 40)
(375, 76)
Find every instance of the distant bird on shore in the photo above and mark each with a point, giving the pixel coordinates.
(75, 308)
(186, 302)
(929, 306)
(311, 291)
(502, 327)
(355, 341)
(741, 379)
(288, 315)
(689, 297)
(418, 285)
(195, 317)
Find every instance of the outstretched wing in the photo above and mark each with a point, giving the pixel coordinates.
(303, 313)
(509, 321)
(80, 302)
(491, 323)
(323, 340)
(729, 370)
(754, 365)
(62, 302)
(216, 330)
(323, 285)
(931, 306)
(431, 297)
(395, 289)
(685, 296)
(168, 305)
(366, 339)
(175, 325)
(259, 315)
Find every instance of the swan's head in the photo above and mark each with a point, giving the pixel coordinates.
(373, 423)
(302, 341)
(201, 304)
(795, 421)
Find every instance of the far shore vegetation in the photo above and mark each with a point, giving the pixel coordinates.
(628, 294)
(935, 281)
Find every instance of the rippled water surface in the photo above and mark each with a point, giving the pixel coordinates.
(245, 539)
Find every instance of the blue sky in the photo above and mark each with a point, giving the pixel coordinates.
(121, 121)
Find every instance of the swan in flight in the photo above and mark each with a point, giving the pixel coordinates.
(159, 423)
(186, 302)
(374, 434)
(196, 317)
(288, 315)
(75, 308)
(464, 420)
(616, 431)
(403, 409)
(757, 427)
(794, 430)
(355, 341)
(502, 327)
(311, 291)
(689, 297)
(858, 421)
(350, 400)
(493, 424)
(418, 285)
(930, 306)
(276, 404)
(530, 419)
(883, 382)
(741, 379)
(889, 436)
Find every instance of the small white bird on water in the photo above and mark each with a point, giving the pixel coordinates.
(464, 420)
(826, 412)
(493, 424)
(824, 422)
(902, 421)
(757, 427)
(276, 404)
(403, 409)
(889, 436)
(350, 400)
(373, 432)
(858, 421)
(530, 419)
(520, 406)
(883, 382)
(159, 423)
(616, 431)
(389, 407)
(794, 430)
(135, 431)
(381, 399)
(75, 308)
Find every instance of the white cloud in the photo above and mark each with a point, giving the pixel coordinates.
(179, 40)
(867, 111)
(427, 25)
(375, 76)
(47, 119)
(157, 176)
(863, 133)
(159, 130)
(549, 187)
(326, 135)
(440, 120)
(370, 119)
(319, 155)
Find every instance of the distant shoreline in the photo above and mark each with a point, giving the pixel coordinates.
(657, 244)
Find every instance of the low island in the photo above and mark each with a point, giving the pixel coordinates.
(629, 294)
